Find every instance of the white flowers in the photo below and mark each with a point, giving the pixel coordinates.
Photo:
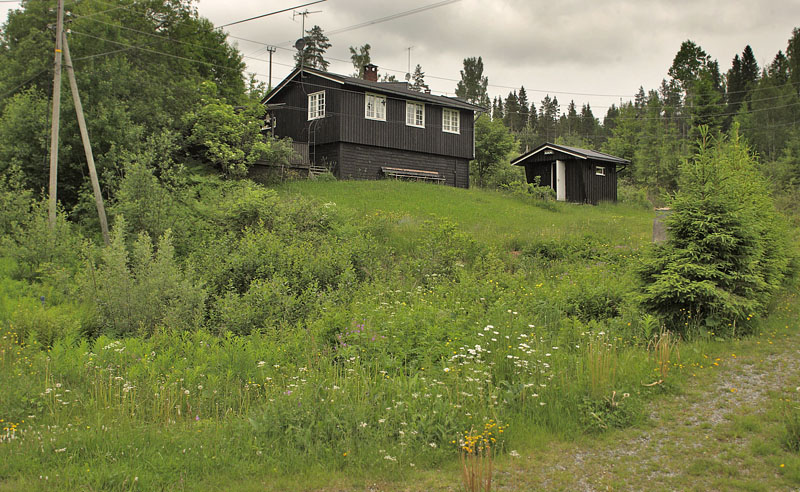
(446, 369)
(261, 363)
(513, 453)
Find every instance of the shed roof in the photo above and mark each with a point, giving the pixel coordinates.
(389, 88)
(573, 151)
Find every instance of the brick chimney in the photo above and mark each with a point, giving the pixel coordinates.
(371, 72)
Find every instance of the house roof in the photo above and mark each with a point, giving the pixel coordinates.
(389, 88)
(573, 151)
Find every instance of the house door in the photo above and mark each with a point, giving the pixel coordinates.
(561, 181)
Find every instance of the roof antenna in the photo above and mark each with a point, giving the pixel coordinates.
(408, 74)
(300, 44)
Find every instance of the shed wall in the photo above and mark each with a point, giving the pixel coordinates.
(583, 184)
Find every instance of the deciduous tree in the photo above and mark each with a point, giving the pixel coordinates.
(473, 84)
(493, 144)
(360, 57)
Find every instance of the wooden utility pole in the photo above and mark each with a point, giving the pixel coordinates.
(271, 50)
(87, 146)
(52, 202)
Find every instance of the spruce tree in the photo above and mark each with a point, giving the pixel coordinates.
(548, 119)
(313, 53)
(524, 110)
(793, 57)
(497, 109)
(418, 80)
(749, 67)
(512, 112)
(778, 70)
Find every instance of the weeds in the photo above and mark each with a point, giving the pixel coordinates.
(663, 347)
(477, 456)
(791, 422)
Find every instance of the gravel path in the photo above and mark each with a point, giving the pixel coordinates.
(707, 438)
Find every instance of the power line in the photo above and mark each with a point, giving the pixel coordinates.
(618, 118)
(268, 14)
(383, 19)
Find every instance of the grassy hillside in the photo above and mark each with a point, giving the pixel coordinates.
(326, 333)
(488, 216)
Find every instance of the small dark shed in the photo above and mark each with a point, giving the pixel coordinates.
(576, 175)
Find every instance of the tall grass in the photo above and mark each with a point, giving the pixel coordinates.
(415, 317)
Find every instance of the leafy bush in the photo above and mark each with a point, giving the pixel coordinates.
(726, 252)
(137, 292)
(39, 248)
(633, 195)
(144, 202)
(230, 138)
(37, 324)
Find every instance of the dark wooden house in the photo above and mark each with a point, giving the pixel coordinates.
(365, 129)
(576, 175)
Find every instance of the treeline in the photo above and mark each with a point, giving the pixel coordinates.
(659, 128)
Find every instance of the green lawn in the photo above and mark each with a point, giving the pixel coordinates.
(492, 217)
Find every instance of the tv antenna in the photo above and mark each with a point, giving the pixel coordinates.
(303, 14)
(300, 44)
(408, 73)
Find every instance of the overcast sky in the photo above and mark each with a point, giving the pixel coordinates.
(595, 51)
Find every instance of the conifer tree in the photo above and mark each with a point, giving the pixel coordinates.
(512, 112)
(793, 57)
(749, 67)
(778, 70)
(546, 128)
(313, 53)
(497, 109)
(418, 80)
(524, 110)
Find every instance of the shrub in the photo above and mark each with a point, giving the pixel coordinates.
(633, 195)
(145, 202)
(137, 292)
(37, 247)
(726, 252)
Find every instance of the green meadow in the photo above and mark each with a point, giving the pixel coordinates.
(322, 334)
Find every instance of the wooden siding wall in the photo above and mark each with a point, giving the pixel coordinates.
(345, 121)
(326, 155)
(542, 169)
(395, 134)
(292, 118)
(365, 162)
(600, 188)
(583, 185)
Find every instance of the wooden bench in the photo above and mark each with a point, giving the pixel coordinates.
(412, 174)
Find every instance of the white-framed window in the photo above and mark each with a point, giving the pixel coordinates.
(415, 114)
(316, 105)
(600, 170)
(450, 120)
(374, 107)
